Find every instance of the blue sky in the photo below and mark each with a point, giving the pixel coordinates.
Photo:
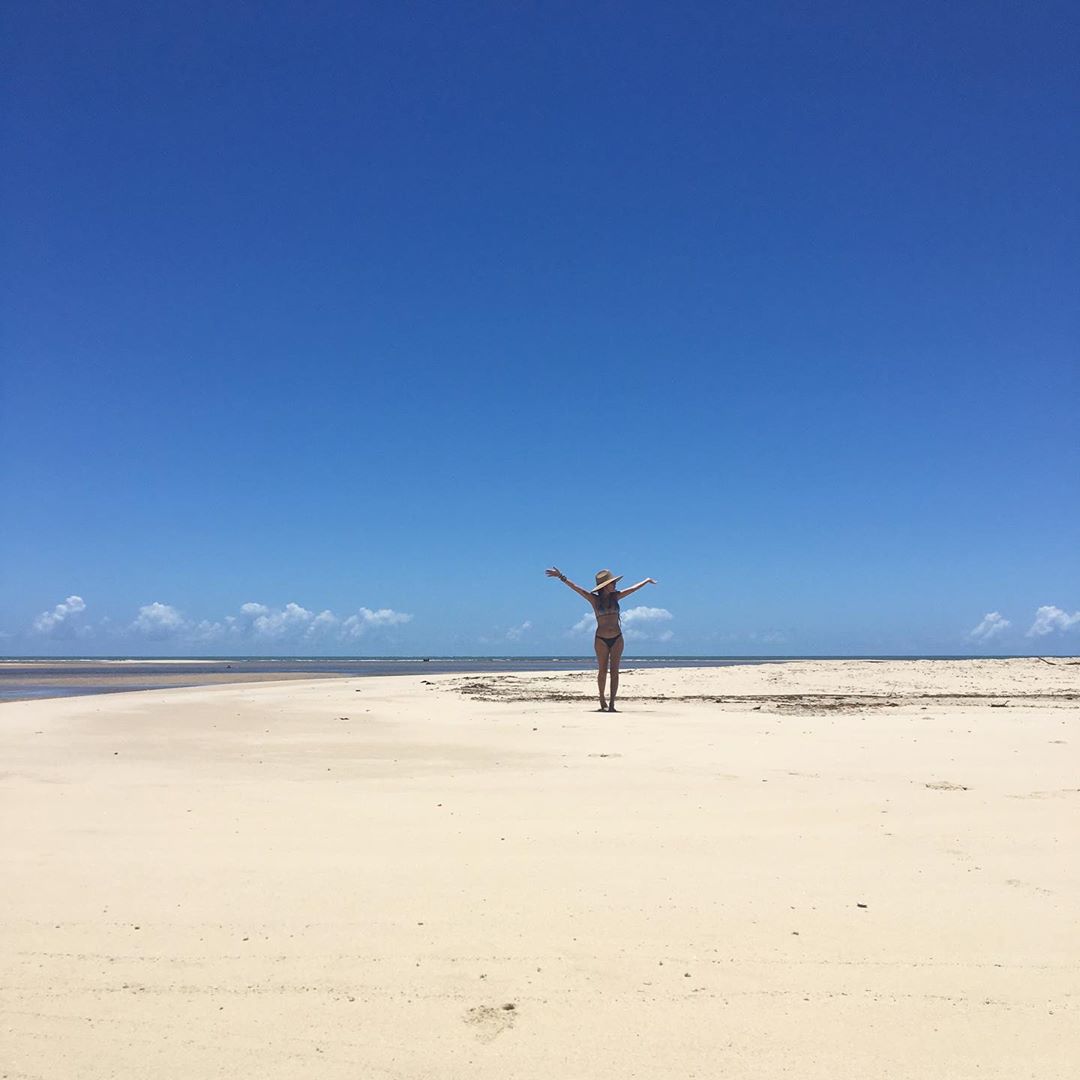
(378, 311)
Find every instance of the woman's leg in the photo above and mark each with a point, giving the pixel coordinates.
(614, 656)
(602, 652)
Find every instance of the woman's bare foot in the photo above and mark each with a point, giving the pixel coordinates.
(611, 707)
(603, 706)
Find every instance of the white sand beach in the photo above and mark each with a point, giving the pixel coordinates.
(817, 869)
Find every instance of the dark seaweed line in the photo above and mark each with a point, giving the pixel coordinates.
(490, 693)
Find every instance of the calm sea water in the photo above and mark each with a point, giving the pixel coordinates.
(30, 677)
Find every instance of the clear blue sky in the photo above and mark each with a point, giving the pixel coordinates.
(381, 309)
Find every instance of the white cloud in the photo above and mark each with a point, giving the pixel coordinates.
(646, 614)
(1049, 618)
(515, 632)
(294, 621)
(281, 623)
(993, 623)
(639, 624)
(384, 617)
(291, 621)
(365, 619)
(158, 621)
(58, 622)
(253, 621)
(206, 631)
(323, 622)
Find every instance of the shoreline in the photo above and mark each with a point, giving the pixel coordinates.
(81, 678)
(44, 679)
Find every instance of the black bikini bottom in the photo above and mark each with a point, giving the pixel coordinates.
(609, 641)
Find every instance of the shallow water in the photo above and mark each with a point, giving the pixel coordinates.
(43, 678)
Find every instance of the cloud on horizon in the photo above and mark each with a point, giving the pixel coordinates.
(646, 614)
(366, 619)
(515, 633)
(293, 620)
(260, 622)
(1050, 618)
(59, 622)
(158, 621)
(993, 623)
(637, 624)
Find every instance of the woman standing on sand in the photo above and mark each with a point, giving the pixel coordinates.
(609, 640)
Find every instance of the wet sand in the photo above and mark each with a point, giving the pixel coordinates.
(33, 680)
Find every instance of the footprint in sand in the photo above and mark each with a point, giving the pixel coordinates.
(945, 785)
(489, 1022)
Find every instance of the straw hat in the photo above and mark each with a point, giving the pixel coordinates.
(605, 577)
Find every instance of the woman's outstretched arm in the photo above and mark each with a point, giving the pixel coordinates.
(556, 572)
(634, 588)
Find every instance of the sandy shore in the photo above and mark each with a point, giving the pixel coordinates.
(819, 869)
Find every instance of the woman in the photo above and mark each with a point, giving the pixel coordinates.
(609, 640)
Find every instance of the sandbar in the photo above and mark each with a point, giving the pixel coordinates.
(818, 869)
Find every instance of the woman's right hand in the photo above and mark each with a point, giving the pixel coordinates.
(554, 572)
